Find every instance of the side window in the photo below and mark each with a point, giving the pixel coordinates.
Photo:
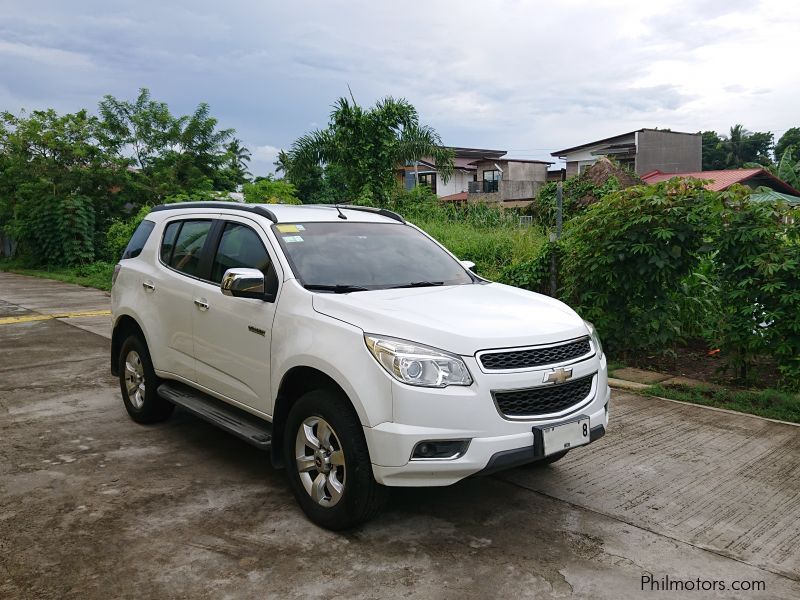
(168, 241)
(241, 247)
(188, 245)
(138, 240)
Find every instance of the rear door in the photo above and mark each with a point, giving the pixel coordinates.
(171, 291)
(232, 336)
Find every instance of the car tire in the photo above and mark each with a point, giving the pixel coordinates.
(139, 383)
(328, 463)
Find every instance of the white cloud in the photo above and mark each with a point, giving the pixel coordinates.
(263, 157)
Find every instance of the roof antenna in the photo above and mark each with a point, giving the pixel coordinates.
(341, 214)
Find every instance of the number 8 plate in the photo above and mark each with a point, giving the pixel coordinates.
(561, 437)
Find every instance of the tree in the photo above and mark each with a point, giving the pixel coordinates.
(367, 145)
(170, 155)
(789, 168)
(237, 157)
(713, 153)
(790, 139)
(59, 186)
(268, 191)
(742, 146)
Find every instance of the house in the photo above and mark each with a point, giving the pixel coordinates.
(722, 180)
(510, 182)
(643, 151)
(463, 172)
(480, 175)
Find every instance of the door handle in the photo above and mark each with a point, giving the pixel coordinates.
(148, 286)
(201, 303)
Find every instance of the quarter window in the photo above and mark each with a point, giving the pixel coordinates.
(138, 240)
(168, 241)
(188, 246)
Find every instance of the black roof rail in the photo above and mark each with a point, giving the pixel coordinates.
(378, 211)
(252, 208)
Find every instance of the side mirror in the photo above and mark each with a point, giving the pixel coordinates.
(243, 283)
(469, 265)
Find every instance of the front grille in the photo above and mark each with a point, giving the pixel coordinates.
(535, 357)
(545, 399)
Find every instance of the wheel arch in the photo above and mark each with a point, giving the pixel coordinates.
(296, 382)
(125, 326)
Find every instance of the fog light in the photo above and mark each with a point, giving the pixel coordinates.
(439, 449)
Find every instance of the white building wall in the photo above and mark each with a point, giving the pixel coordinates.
(459, 182)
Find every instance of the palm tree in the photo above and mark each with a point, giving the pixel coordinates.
(368, 145)
(735, 146)
(238, 156)
(283, 163)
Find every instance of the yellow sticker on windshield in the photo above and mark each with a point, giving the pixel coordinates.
(288, 228)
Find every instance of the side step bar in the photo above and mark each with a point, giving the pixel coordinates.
(243, 425)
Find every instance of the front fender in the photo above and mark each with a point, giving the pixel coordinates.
(337, 349)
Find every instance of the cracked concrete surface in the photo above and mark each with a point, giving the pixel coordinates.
(93, 505)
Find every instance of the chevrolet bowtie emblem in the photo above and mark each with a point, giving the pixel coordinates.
(558, 376)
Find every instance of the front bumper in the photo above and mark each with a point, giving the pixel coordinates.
(495, 442)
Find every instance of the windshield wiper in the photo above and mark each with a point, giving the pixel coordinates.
(416, 284)
(336, 289)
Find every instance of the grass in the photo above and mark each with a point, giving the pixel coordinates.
(773, 404)
(95, 275)
(490, 248)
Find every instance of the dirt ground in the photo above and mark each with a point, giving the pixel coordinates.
(93, 505)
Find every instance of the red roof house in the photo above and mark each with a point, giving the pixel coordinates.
(722, 180)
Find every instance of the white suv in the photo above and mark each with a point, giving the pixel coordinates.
(352, 344)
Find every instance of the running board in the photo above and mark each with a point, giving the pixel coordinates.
(243, 425)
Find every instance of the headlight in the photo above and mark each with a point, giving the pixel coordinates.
(595, 338)
(418, 365)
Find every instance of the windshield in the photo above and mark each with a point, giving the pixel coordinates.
(349, 257)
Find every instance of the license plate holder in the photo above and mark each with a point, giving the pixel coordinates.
(549, 439)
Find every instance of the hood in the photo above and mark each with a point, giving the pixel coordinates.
(462, 319)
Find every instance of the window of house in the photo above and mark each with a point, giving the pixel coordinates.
(491, 179)
(428, 179)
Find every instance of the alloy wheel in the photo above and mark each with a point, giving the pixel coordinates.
(134, 379)
(320, 461)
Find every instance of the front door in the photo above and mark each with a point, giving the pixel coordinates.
(232, 335)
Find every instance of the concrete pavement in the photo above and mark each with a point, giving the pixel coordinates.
(94, 506)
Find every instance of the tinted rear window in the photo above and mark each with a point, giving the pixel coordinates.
(188, 246)
(168, 241)
(138, 240)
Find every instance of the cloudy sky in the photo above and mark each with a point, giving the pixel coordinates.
(527, 77)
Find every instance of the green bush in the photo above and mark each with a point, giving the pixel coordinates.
(623, 258)
(55, 230)
(545, 207)
(268, 191)
(757, 257)
(534, 274)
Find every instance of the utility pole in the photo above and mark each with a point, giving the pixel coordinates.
(557, 235)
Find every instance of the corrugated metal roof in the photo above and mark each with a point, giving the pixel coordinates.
(720, 180)
(773, 195)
